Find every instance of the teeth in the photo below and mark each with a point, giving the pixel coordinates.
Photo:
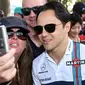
(14, 45)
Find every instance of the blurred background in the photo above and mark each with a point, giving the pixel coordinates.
(8, 6)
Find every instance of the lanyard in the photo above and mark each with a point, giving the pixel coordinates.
(76, 67)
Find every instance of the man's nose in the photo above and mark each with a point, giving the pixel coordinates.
(32, 13)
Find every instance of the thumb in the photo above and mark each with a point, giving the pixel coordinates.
(5, 58)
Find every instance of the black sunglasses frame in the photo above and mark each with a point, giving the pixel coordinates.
(21, 34)
(27, 11)
(50, 28)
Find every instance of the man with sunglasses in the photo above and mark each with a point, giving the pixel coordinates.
(29, 10)
(63, 62)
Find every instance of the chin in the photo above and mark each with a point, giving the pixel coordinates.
(16, 55)
(48, 48)
(31, 25)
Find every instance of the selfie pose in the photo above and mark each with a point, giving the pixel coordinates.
(16, 70)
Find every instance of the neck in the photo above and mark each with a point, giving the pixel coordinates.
(36, 40)
(76, 38)
(59, 51)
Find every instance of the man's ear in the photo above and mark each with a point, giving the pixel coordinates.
(67, 26)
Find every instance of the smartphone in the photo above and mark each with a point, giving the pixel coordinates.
(4, 47)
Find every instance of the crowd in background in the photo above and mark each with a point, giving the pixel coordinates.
(78, 8)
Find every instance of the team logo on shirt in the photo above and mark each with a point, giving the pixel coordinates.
(43, 68)
(76, 62)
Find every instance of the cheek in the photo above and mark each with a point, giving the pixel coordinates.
(72, 30)
(26, 18)
(78, 30)
(83, 15)
(9, 42)
(40, 37)
(22, 44)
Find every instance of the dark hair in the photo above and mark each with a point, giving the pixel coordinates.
(75, 18)
(60, 11)
(24, 73)
(79, 8)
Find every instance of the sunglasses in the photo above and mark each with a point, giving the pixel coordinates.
(21, 34)
(27, 11)
(83, 10)
(50, 28)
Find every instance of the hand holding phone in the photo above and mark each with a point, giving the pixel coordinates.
(4, 48)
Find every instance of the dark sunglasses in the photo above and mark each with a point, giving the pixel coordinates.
(83, 10)
(50, 28)
(27, 11)
(21, 34)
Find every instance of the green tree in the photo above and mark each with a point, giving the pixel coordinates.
(67, 3)
(81, 0)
